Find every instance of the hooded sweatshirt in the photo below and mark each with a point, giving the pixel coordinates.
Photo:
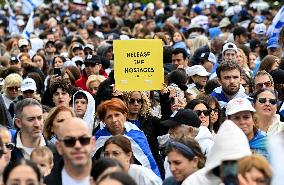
(205, 141)
(90, 111)
(230, 144)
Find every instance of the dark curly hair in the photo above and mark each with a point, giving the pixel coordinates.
(64, 84)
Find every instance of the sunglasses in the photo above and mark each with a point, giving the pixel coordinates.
(205, 112)
(260, 85)
(13, 88)
(28, 92)
(10, 146)
(88, 53)
(90, 64)
(132, 101)
(49, 46)
(214, 110)
(71, 141)
(264, 100)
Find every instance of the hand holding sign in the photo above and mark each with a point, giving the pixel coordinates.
(138, 64)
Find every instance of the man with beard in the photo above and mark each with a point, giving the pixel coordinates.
(75, 144)
(229, 76)
(29, 120)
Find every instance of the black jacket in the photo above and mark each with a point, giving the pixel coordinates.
(151, 128)
(55, 178)
(17, 153)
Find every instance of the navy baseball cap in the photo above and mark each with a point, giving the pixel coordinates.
(183, 116)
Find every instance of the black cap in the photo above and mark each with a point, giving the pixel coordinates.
(14, 60)
(92, 59)
(254, 43)
(185, 116)
(240, 31)
(50, 42)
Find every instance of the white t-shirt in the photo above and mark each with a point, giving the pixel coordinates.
(67, 180)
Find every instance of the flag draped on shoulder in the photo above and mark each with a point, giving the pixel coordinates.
(12, 28)
(139, 145)
(29, 5)
(277, 24)
(101, 4)
(29, 27)
(281, 110)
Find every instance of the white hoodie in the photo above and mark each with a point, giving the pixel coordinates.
(204, 139)
(230, 144)
(90, 111)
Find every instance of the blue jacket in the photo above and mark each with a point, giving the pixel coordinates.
(139, 144)
(258, 144)
(219, 94)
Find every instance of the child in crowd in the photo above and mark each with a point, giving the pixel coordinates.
(43, 157)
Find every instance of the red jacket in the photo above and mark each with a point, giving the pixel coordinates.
(83, 80)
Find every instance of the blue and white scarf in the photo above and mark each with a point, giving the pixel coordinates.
(222, 98)
(139, 144)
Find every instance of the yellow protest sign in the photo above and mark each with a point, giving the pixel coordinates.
(138, 64)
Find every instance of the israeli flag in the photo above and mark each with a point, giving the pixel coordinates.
(139, 144)
(29, 27)
(101, 5)
(29, 5)
(277, 24)
(12, 28)
(281, 110)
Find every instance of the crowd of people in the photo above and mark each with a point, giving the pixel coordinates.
(218, 117)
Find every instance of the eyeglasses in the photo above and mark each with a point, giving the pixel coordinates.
(10, 146)
(264, 100)
(113, 154)
(13, 88)
(205, 112)
(260, 85)
(71, 141)
(214, 110)
(132, 101)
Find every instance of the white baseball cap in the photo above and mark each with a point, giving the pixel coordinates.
(28, 84)
(23, 42)
(238, 105)
(231, 46)
(260, 29)
(197, 70)
(76, 59)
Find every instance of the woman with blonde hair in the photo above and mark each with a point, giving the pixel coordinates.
(243, 62)
(93, 83)
(55, 117)
(198, 42)
(257, 168)
(11, 88)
